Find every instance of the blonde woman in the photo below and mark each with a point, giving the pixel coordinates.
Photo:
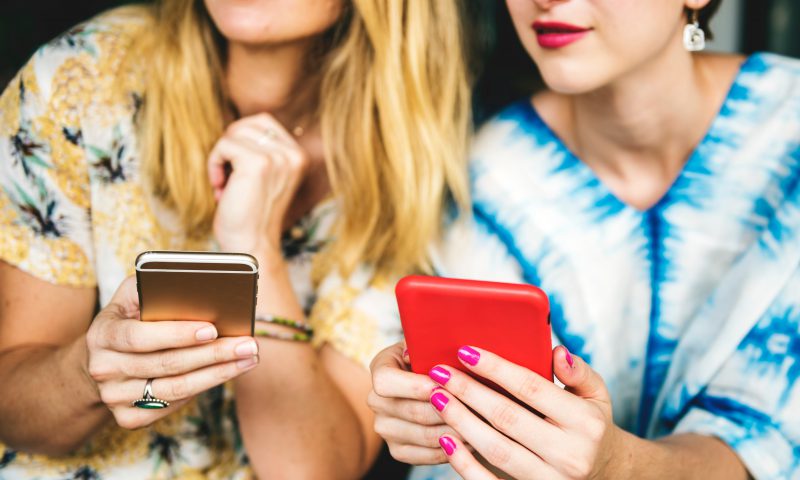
(324, 134)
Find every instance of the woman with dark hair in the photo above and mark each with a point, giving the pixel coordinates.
(652, 192)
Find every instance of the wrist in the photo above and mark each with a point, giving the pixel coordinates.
(77, 353)
(627, 448)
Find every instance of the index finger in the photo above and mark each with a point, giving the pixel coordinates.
(135, 336)
(531, 388)
(391, 380)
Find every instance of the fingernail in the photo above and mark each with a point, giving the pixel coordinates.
(247, 363)
(439, 401)
(569, 357)
(448, 445)
(405, 352)
(246, 349)
(439, 375)
(206, 333)
(469, 355)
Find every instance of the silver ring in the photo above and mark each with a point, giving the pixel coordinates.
(269, 136)
(148, 400)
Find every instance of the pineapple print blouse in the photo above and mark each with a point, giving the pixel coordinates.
(74, 211)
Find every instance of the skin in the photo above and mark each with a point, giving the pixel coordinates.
(301, 411)
(632, 104)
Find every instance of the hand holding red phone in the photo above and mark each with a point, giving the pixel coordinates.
(403, 413)
(574, 439)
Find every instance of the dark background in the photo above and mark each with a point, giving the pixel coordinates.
(766, 25)
(772, 25)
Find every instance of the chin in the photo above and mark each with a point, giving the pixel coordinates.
(571, 78)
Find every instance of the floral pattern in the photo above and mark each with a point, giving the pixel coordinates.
(74, 211)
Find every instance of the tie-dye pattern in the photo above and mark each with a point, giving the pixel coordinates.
(690, 310)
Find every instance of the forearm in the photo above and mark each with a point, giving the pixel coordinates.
(294, 421)
(48, 404)
(686, 456)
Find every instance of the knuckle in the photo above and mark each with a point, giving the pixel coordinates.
(219, 353)
(99, 371)
(381, 427)
(400, 453)
(416, 412)
(595, 427)
(126, 420)
(498, 455)
(529, 387)
(178, 388)
(504, 417)
(381, 382)
(107, 396)
(374, 401)
(578, 466)
(170, 362)
(128, 337)
(430, 436)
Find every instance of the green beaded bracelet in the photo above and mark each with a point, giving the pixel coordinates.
(304, 335)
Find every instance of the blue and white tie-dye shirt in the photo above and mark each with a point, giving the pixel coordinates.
(690, 310)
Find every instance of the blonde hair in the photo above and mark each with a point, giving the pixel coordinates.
(394, 112)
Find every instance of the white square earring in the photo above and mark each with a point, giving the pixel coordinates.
(694, 38)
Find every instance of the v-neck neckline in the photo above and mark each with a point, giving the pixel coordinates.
(691, 164)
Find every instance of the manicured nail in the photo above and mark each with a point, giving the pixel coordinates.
(246, 349)
(469, 355)
(439, 375)
(405, 352)
(247, 363)
(206, 333)
(568, 357)
(439, 401)
(448, 445)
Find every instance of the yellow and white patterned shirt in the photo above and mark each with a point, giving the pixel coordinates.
(74, 211)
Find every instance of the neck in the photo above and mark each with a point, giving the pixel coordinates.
(272, 79)
(649, 119)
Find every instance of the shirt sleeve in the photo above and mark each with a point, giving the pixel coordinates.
(753, 402)
(357, 315)
(45, 226)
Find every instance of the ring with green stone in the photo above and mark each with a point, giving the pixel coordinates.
(149, 401)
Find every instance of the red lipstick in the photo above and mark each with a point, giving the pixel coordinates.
(557, 34)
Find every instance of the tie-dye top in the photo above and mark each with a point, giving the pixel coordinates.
(74, 211)
(690, 310)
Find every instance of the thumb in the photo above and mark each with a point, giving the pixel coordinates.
(578, 376)
(126, 298)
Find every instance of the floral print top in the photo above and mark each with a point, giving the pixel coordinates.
(74, 211)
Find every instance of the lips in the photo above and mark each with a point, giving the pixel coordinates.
(558, 34)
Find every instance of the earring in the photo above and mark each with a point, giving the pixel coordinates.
(694, 38)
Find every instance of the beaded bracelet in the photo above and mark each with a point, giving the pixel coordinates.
(304, 334)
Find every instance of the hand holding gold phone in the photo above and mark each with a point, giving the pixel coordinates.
(214, 287)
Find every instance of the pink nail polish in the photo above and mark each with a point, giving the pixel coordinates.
(439, 375)
(405, 352)
(568, 357)
(447, 444)
(439, 401)
(469, 355)
(206, 333)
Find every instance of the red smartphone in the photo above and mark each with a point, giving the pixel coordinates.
(440, 315)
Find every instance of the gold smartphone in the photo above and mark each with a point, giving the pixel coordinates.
(214, 287)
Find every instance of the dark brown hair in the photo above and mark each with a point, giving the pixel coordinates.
(704, 16)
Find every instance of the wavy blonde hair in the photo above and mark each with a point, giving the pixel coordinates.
(394, 111)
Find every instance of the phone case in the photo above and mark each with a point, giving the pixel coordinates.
(214, 287)
(439, 315)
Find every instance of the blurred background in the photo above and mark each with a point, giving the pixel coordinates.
(744, 26)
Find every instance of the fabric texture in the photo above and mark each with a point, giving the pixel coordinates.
(690, 310)
(75, 211)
